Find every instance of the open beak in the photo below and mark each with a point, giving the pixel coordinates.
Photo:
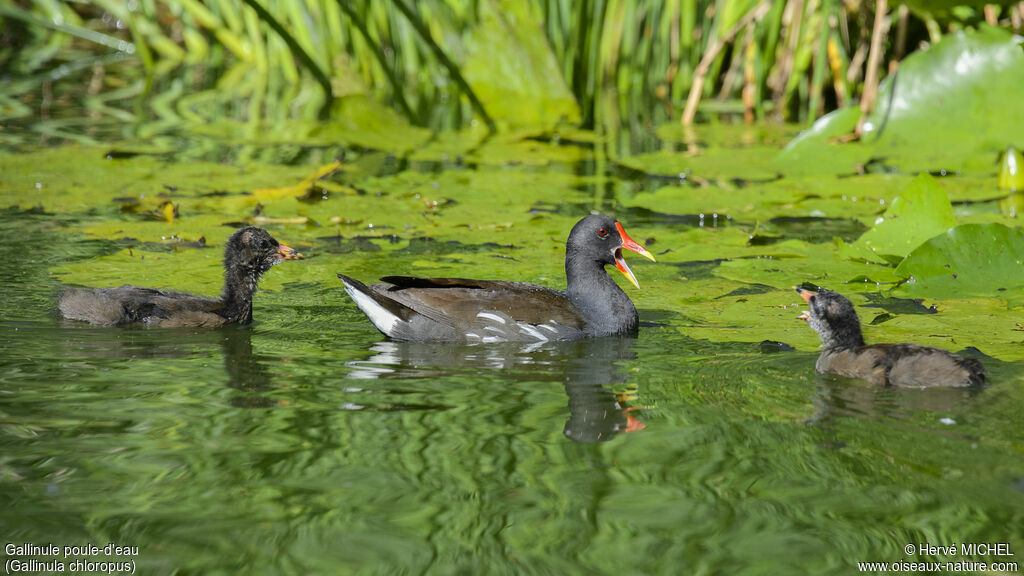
(287, 253)
(629, 244)
(806, 295)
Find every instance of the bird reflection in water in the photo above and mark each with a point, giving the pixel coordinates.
(246, 371)
(590, 370)
(836, 397)
(596, 413)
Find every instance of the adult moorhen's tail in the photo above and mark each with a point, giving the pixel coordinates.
(386, 314)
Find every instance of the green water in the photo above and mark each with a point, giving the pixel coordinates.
(308, 443)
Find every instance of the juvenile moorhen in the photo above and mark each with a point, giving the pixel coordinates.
(845, 354)
(248, 254)
(457, 309)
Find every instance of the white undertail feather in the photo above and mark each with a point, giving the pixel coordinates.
(384, 321)
(491, 317)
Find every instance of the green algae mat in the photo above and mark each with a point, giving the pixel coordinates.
(308, 443)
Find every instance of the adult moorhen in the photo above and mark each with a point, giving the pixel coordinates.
(457, 309)
(248, 254)
(845, 354)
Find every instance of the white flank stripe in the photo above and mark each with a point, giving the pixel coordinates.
(490, 339)
(533, 332)
(551, 329)
(491, 317)
(384, 321)
(494, 329)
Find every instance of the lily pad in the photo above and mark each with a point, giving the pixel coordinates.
(815, 152)
(922, 211)
(751, 202)
(954, 106)
(362, 121)
(745, 163)
(968, 260)
(817, 263)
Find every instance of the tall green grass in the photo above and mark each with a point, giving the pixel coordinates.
(791, 59)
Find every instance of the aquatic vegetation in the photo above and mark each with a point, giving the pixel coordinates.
(952, 108)
(968, 260)
(307, 443)
(921, 211)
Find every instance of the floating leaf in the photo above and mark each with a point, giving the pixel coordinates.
(954, 106)
(751, 202)
(815, 152)
(920, 212)
(363, 121)
(746, 163)
(816, 263)
(302, 187)
(968, 260)
(168, 211)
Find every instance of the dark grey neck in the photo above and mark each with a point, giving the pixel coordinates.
(239, 286)
(603, 305)
(842, 336)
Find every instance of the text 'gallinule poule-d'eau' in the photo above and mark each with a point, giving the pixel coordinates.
(248, 254)
(458, 309)
(844, 353)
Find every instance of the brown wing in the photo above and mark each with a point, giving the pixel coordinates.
(903, 365)
(866, 364)
(915, 365)
(459, 300)
(131, 304)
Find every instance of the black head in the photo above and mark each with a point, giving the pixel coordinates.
(254, 250)
(600, 239)
(833, 317)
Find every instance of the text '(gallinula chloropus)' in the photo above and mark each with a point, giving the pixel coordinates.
(248, 254)
(845, 354)
(458, 309)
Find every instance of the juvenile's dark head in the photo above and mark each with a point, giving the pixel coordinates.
(254, 251)
(832, 316)
(600, 239)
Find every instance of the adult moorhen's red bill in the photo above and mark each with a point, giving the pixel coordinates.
(457, 309)
(845, 354)
(248, 254)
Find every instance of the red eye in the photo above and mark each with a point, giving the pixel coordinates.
(602, 232)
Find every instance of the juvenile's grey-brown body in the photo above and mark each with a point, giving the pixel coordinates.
(248, 253)
(902, 365)
(844, 352)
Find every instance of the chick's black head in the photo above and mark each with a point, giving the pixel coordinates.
(256, 250)
(833, 317)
